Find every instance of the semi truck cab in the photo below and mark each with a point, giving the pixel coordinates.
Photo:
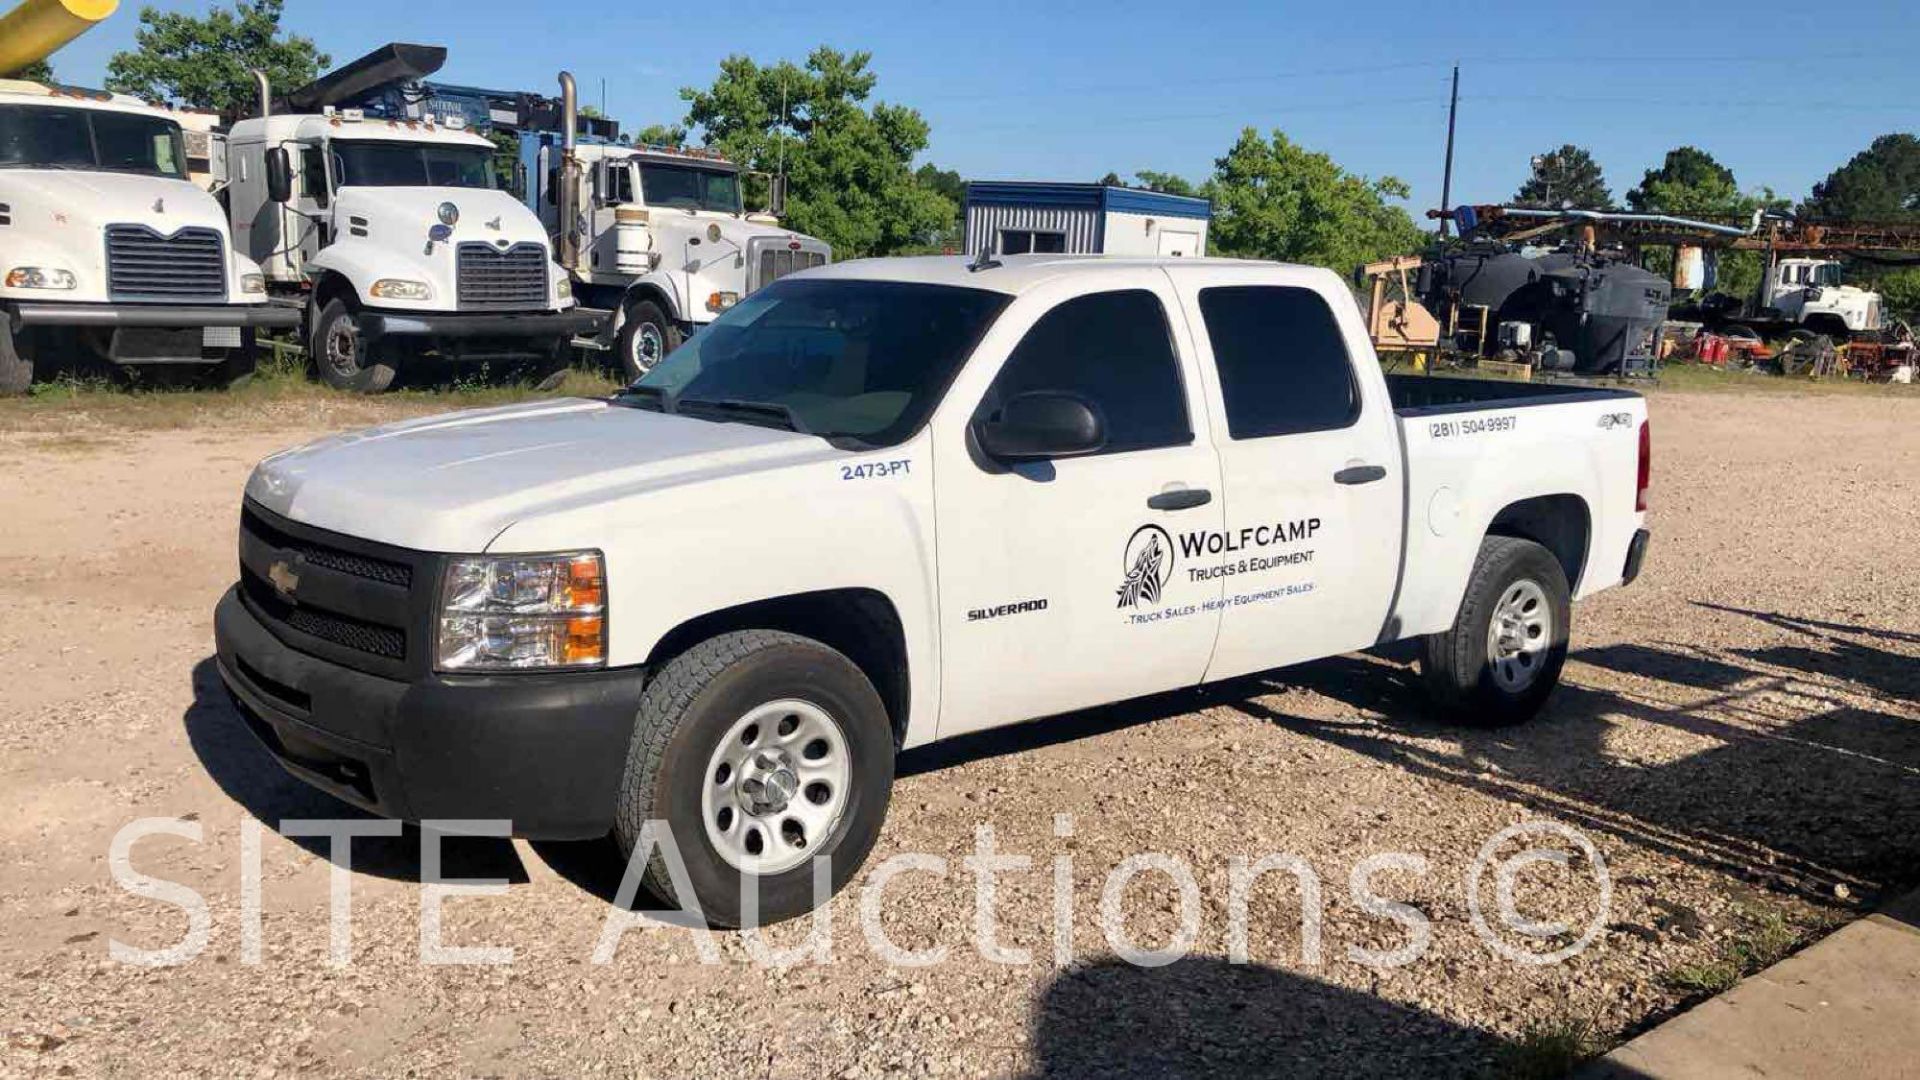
(107, 244)
(665, 238)
(1812, 293)
(392, 232)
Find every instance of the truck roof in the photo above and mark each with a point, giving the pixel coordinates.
(1018, 273)
(25, 92)
(318, 125)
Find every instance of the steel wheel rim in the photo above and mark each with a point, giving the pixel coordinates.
(1519, 634)
(776, 787)
(647, 347)
(343, 347)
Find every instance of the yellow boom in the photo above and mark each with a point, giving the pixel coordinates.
(37, 29)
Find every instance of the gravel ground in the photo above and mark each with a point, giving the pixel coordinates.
(1736, 735)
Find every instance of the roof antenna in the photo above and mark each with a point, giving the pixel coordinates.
(983, 261)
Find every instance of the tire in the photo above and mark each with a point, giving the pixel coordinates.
(1464, 678)
(646, 337)
(236, 368)
(693, 713)
(16, 361)
(341, 355)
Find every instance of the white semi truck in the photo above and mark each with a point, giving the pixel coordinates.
(107, 247)
(661, 236)
(1811, 293)
(891, 501)
(396, 241)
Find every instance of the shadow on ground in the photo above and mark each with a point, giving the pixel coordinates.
(250, 776)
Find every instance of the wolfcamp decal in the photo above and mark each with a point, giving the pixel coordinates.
(1148, 563)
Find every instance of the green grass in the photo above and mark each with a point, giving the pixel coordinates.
(1705, 378)
(1762, 937)
(280, 394)
(1549, 1049)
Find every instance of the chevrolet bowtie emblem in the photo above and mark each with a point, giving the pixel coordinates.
(284, 577)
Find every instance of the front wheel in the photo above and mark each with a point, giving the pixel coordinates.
(1503, 655)
(760, 751)
(646, 337)
(342, 356)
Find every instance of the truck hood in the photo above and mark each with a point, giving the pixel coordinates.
(96, 199)
(403, 215)
(453, 483)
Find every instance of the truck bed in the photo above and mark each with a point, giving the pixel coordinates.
(1432, 395)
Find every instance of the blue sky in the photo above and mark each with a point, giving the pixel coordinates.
(1781, 93)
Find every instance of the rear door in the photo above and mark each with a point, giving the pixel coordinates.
(1310, 546)
(1061, 582)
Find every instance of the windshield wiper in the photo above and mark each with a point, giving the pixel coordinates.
(765, 413)
(650, 394)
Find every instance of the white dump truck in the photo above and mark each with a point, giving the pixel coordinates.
(886, 502)
(107, 247)
(394, 238)
(662, 236)
(1812, 294)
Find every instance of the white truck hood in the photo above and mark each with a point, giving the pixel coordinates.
(455, 482)
(403, 215)
(84, 198)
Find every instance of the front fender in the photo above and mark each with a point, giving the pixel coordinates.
(362, 264)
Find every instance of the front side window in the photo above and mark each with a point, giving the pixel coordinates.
(58, 137)
(685, 187)
(370, 163)
(1283, 364)
(1114, 350)
(865, 361)
(313, 174)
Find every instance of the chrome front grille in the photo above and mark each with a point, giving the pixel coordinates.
(776, 261)
(491, 278)
(190, 265)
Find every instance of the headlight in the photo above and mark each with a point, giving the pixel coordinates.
(253, 283)
(721, 301)
(523, 613)
(449, 214)
(563, 289)
(401, 289)
(39, 277)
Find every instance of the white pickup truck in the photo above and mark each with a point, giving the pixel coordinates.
(886, 502)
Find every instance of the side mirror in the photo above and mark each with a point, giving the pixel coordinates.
(777, 196)
(279, 175)
(1041, 425)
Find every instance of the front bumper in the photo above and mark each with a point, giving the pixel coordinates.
(544, 752)
(262, 316)
(572, 323)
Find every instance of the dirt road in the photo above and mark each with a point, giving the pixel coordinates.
(1738, 735)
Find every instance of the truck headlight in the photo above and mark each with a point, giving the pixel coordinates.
(563, 289)
(39, 277)
(721, 301)
(523, 613)
(401, 289)
(253, 284)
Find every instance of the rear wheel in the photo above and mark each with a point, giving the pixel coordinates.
(16, 358)
(1503, 655)
(761, 751)
(646, 337)
(342, 356)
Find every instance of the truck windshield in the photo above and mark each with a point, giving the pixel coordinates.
(864, 361)
(60, 137)
(1827, 274)
(367, 163)
(684, 187)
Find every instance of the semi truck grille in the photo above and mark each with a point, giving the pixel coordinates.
(190, 265)
(346, 599)
(491, 278)
(776, 263)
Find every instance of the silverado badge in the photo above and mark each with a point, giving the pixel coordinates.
(285, 579)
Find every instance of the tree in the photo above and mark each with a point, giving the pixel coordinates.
(849, 165)
(947, 182)
(207, 63)
(1112, 179)
(1689, 181)
(1565, 177)
(39, 71)
(1881, 183)
(1277, 200)
(661, 135)
(1900, 291)
(1166, 182)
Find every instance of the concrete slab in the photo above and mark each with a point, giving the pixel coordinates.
(1848, 1006)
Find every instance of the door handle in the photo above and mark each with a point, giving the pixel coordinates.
(1360, 474)
(1180, 499)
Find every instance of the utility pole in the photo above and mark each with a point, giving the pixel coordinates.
(1446, 179)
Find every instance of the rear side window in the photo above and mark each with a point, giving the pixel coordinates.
(1115, 350)
(1283, 364)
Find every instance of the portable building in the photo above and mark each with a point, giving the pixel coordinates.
(1016, 218)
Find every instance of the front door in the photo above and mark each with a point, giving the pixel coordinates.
(1062, 583)
(1309, 459)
